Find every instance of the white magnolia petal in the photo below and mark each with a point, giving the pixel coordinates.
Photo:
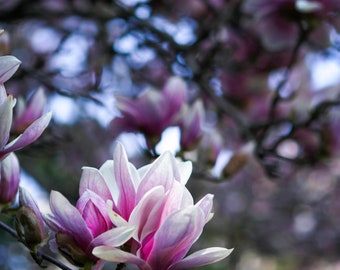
(202, 257)
(114, 237)
(112, 254)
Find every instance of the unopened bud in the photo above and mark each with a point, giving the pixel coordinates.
(236, 163)
(28, 228)
(238, 160)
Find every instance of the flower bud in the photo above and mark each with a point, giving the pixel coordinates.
(9, 178)
(29, 222)
(238, 160)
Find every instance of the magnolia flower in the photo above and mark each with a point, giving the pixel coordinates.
(26, 114)
(79, 229)
(9, 178)
(152, 112)
(8, 65)
(155, 201)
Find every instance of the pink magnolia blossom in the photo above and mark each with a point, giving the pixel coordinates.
(26, 114)
(152, 112)
(8, 65)
(79, 229)
(155, 201)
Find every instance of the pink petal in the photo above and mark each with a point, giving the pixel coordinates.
(125, 182)
(31, 133)
(174, 199)
(8, 66)
(202, 257)
(9, 178)
(147, 213)
(93, 210)
(93, 180)
(6, 114)
(160, 173)
(175, 237)
(206, 204)
(69, 217)
(26, 115)
(174, 94)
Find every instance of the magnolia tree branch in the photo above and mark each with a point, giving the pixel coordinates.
(39, 254)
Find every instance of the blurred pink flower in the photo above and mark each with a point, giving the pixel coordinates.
(278, 20)
(152, 112)
(9, 178)
(31, 133)
(26, 114)
(155, 201)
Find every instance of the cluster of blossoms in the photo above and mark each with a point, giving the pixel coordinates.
(153, 111)
(29, 131)
(142, 216)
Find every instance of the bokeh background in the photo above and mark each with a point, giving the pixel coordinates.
(268, 76)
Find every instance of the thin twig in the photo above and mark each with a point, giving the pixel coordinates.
(39, 254)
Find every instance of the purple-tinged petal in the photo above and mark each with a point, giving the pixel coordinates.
(52, 223)
(174, 199)
(175, 237)
(151, 203)
(112, 254)
(125, 182)
(92, 179)
(8, 66)
(191, 125)
(160, 173)
(206, 204)
(174, 94)
(31, 134)
(25, 115)
(93, 210)
(69, 217)
(115, 237)
(9, 178)
(3, 93)
(6, 114)
(202, 257)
